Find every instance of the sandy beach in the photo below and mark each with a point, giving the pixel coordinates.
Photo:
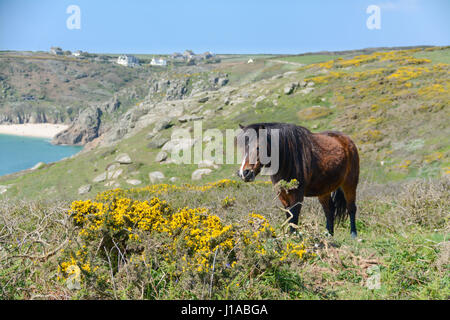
(41, 130)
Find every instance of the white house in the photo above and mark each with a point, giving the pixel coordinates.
(250, 60)
(158, 62)
(77, 53)
(56, 50)
(128, 61)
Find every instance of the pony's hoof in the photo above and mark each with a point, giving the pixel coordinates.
(292, 230)
(353, 234)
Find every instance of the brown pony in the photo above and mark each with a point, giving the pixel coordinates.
(325, 164)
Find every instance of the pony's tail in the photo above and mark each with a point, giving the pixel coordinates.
(340, 205)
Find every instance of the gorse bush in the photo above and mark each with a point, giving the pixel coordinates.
(116, 233)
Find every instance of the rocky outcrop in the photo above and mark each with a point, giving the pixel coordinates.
(83, 130)
(3, 189)
(157, 142)
(163, 106)
(163, 124)
(172, 89)
(291, 88)
(84, 189)
(156, 176)
(134, 182)
(199, 173)
(25, 113)
(113, 175)
(100, 178)
(161, 156)
(123, 159)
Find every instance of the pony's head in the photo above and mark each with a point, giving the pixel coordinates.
(251, 164)
(284, 151)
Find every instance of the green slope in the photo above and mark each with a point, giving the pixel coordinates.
(394, 105)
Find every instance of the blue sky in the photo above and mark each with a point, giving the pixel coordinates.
(222, 26)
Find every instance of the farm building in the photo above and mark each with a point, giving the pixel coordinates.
(158, 62)
(128, 61)
(56, 50)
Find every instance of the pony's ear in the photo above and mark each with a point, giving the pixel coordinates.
(241, 126)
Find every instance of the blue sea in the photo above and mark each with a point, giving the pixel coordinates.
(20, 153)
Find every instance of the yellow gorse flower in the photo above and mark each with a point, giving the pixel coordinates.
(188, 238)
(202, 232)
(297, 250)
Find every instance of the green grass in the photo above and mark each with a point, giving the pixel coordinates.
(309, 59)
(437, 56)
(397, 122)
(403, 139)
(242, 72)
(402, 234)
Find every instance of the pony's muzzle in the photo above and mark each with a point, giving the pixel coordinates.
(247, 175)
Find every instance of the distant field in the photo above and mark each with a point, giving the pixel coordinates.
(438, 56)
(308, 59)
(243, 57)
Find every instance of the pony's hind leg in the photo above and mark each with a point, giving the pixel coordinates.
(328, 208)
(352, 212)
(350, 198)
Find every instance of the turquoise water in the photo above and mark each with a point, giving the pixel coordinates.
(19, 153)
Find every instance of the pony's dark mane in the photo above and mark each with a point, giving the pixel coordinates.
(295, 150)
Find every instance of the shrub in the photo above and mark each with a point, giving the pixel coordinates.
(117, 235)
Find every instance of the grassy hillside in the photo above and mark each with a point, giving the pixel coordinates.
(393, 104)
(226, 241)
(40, 87)
(218, 238)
